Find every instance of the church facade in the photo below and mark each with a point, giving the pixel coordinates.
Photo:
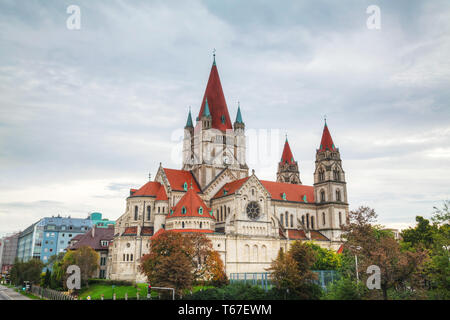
(247, 219)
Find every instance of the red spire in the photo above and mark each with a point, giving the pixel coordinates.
(287, 156)
(327, 141)
(216, 102)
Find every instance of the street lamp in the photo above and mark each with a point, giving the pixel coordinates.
(356, 262)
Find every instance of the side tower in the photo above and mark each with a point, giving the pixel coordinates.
(330, 189)
(213, 145)
(287, 167)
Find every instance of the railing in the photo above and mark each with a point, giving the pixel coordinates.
(49, 293)
(262, 279)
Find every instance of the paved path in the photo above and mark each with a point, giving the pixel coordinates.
(9, 294)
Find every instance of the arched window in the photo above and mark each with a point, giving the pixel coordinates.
(183, 210)
(217, 214)
(253, 192)
(128, 257)
(163, 209)
(149, 210)
(282, 219)
(336, 174)
(303, 220)
(323, 218)
(182, 224)
(312, 222)
(338, 195)
(200, 210)
(124, 257)
(322, 196)
(264, 253)
(340, 219)
(136, 212)
(287, 219)
(159, 209)
(131, 257)
(321, 175)
(221, 213)
(292, 221)
(255, 253)
(200, 225)
(307, 221)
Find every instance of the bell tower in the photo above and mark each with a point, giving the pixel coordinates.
(330, 188)
(215, 144)
(287, 167)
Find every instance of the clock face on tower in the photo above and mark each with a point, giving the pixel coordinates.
(253, 210)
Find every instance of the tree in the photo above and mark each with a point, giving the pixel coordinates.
(345, 289)
(26, 271)
(325, 259)
(201, 248)
(291, 272)
(85, 258)
(442, 216)
(215, 270)
(421, 235)
(400, 269)
(169, 263)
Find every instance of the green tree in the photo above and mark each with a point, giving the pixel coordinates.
(345, 289)
(292, 274)
(325, 259)
(26, 271)
(86, 258)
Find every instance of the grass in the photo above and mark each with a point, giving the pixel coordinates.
(95, 291)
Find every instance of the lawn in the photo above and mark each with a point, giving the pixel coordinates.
(96, 290)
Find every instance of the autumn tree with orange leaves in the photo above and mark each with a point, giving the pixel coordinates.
(177, 260)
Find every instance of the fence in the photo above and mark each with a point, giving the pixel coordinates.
(49, 293)
(262, 279)
(326, 277)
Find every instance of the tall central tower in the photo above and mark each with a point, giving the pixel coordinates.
(214, 143)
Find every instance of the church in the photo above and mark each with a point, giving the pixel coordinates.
(247, 219)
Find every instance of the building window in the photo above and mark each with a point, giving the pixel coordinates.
(303, 220)
(323, 218)
(292, 221)
(128, 257)
(338, 195)
(131, 257)
(321, 175)
(336, 174)
(149, 210)
(307, 221)
(183, 210)
(287, 219)
(135, 213)
(312, 222)
(200, 210)
(124, 257)
(182, 224)
(340, 219)
(322, 196)
(200, 225)
(282, 219)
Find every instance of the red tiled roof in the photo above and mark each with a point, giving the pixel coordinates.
(86, 239)
(147, 231)
(316, 235)
(149, 189)
(191, 202)
(157, 234)
(192, 230)
(287, 156)
(294, 192)
(177, 178)
(327, 141)
(161, 195)
(296, 234)
(230, 187)
(130, 231)
(216, 102)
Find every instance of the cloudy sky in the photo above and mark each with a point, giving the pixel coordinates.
(87, 114)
